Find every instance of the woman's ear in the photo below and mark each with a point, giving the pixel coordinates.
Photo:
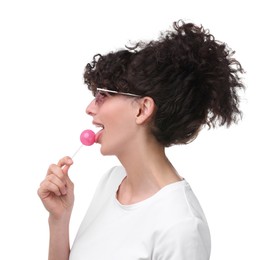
(146, 109)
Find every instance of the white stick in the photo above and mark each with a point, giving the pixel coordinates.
(77, 151)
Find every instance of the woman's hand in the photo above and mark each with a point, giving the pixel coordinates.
(57, 190)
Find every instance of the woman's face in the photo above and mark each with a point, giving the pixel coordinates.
(116, 116)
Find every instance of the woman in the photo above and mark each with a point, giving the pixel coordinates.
(147, 97)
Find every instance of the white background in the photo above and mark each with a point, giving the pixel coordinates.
(44, 47)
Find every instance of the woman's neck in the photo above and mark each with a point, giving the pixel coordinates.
(148, 170)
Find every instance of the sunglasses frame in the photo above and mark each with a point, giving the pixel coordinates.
(117, 92)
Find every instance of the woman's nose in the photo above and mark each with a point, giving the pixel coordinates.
(91, 108)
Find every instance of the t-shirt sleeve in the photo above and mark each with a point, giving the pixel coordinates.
(185, 240)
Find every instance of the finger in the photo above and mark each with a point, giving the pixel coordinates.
(65, 164)
(61, 167)
(55, 169)
(46, 188)
(65, 161)
(60, 183)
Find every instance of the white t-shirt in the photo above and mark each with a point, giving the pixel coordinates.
(170, 225)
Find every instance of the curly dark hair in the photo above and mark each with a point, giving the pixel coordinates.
(193, 79)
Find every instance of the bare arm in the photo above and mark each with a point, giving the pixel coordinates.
(59, 247)
(57, 194)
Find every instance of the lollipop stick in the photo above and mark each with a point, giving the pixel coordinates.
(77, 151)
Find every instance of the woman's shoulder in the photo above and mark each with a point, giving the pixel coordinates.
(178, 200)
(181, 228)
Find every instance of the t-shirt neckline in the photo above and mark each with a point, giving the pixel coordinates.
(167, 188)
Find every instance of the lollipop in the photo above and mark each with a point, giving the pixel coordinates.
(87, 138)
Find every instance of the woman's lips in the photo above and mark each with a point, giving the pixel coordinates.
(99, 133)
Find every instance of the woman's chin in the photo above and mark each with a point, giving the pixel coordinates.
(105, 151)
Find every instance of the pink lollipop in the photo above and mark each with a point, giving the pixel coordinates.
(87, 138)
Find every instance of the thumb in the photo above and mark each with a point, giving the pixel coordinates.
(65, 168)
(65, 164)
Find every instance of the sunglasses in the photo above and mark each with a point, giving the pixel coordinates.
(102, 93)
